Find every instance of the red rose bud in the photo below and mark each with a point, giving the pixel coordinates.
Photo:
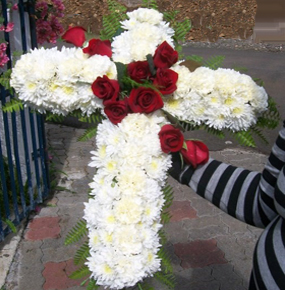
(165, 80)
(165, 56)
(197, 153)
(116, 111)
(75, 35)
(138, 71)
(105, 89)
(97, 46)
(171, 139)
(145, 100)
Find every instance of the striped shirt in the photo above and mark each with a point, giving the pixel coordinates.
(255, 198)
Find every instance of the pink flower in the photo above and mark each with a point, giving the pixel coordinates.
(9, 27)
(3, 46)
(2, 28)
(15, 7)
(3, 59)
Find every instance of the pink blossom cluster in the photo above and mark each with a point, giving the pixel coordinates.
(3, 56)
(49, 27)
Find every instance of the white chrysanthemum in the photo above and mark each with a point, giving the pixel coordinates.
(144, 29)
(60, 81)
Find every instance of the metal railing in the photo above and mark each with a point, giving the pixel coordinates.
(24, 179)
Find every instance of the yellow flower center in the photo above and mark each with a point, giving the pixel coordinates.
(68, 90)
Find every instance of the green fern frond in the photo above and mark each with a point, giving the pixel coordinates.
(270, 119)
(145, 286)
(111, 22)
(196, 58)
(94, 118)
(181, 29)
(162, 236)
(150, 4)
(5, 80)
(170, 16)
(14, 105)
(11, 226)
(259, 134)
(81, 254)
(168, 279)
(76, 233)
(92, 285)
(165, 217)
(166, 261)
(168, 196)
(214, 62)
(218, 133)
(54, 117)
(80, 273)
(88, 134)
(188, 125)
(240, 69)
(244, 138)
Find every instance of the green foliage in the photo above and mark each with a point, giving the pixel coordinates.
(162, 236)
(168, 196)
(181, 29)
(214, 62)
(165, 217)
(111, 22)
(80, 273)
(149, 4)
(244, 138)
(195, 57)
(11, 226)
(14, 105)
(81, 254)
(5, 80)
(165, 261)
(76, 233)
(145, 286)
(54, 117)
(88, 134)
(92, 285)
(166, 278)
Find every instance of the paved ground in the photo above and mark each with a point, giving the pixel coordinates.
(210, 250)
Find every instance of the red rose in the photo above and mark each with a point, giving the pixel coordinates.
(139, 70)
(97, 46)
(197, 153)
(171, 139)
(165, 56)
(165, 80)
(75, 35)
(105, 89)
(144, 100)
(116, 111)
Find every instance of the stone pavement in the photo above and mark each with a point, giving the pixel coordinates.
(210, 250)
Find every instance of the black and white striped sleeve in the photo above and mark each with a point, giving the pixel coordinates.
(244, 194)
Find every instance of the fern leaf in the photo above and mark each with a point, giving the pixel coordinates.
(150, 4)
(76, 233)
(144, 286)
(244, 138)
(170, 16)
(214, 62)
(168, 196)
(81, 254)
(116, 7)
(168, 279)
(94, 118)
(162, 236)
(195, 57)
(181, 29)
(165, 217)
(54, 117)
(14, 105)
(92, 285)
(5, 79)
(88, 134)
(218, 133)
(11, 226)
(80, 273)
(259, 134)
(165, 261)
(188, 125)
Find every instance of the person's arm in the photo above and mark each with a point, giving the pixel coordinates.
(246, 195)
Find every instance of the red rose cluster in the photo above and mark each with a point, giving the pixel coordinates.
(142, 99)
(194, 152)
